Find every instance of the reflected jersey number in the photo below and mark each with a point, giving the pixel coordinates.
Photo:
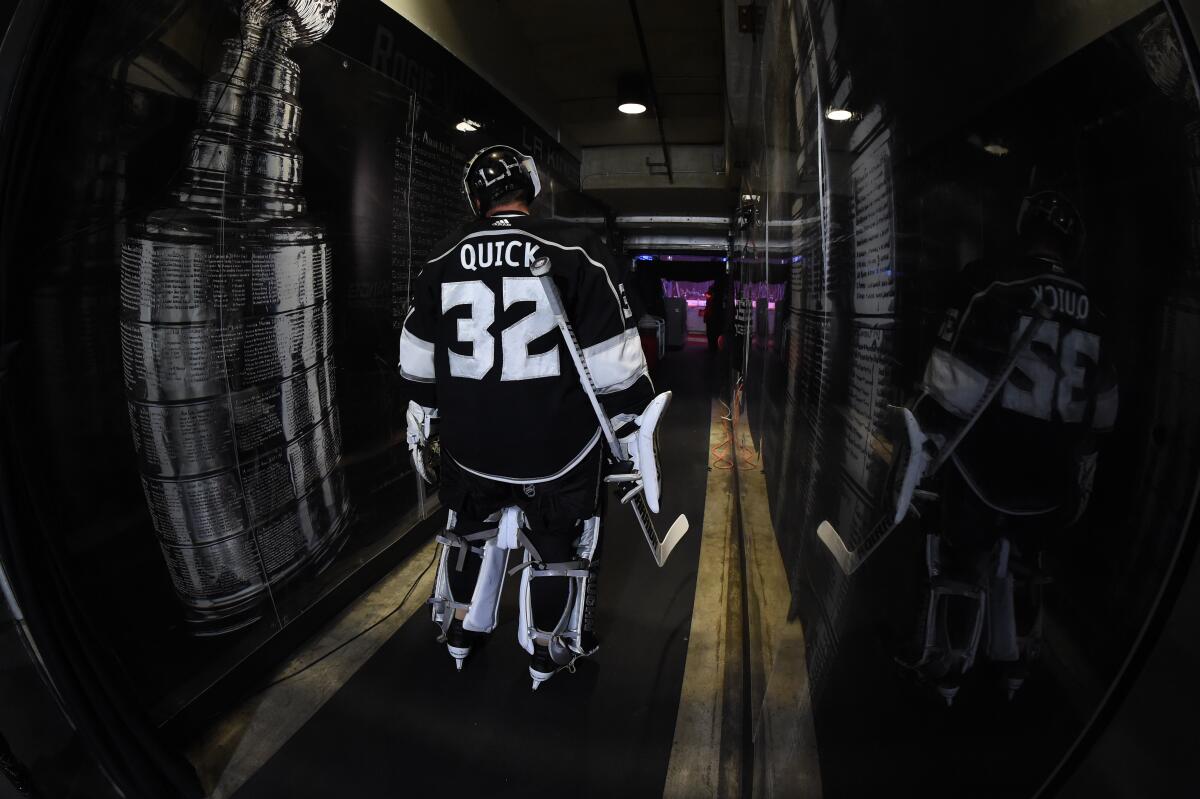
(1056, 366)
(516, 362)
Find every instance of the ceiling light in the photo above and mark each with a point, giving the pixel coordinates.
(839, 115)
(631, 94)
(467, 126)
(995, 148)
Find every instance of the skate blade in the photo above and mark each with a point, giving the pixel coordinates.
(539, 677)
(948, 692)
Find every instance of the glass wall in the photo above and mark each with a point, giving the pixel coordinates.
(204, 282)
(912, 165)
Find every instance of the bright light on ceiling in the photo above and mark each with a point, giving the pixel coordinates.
(631, 108)
(467, 126)
(839, 115)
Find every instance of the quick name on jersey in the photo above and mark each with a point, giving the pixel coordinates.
(484, 254)
(1063, 300)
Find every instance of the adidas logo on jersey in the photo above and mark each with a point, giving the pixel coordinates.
(502, 223)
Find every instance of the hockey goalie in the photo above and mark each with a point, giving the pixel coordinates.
(500, 413)
(1016, 390)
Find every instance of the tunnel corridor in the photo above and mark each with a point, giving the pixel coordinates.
(922, 280)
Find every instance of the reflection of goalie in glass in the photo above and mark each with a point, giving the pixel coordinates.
(1015, 390)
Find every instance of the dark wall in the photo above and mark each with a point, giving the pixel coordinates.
(959, 113)
(201, 299)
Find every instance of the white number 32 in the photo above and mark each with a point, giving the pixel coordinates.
(516, 363)
(1053, 372)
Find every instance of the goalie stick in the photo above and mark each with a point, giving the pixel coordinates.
(850, 559)
(660, 548)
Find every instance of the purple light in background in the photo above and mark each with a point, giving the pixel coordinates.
(697, 259)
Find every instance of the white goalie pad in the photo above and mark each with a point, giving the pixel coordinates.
(564, 640)
(484, 606)
(641, 446)
(955, 614)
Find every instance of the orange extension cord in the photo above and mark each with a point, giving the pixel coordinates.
(722, 453)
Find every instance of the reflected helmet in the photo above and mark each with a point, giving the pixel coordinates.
(496, 171)
(1049, 215)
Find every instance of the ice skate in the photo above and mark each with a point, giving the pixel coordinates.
(458, 642)
(541, 666)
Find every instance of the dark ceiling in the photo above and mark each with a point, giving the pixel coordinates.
(579, 51)
(580, 48)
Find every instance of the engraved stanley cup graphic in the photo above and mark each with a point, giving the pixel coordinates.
(226, 337)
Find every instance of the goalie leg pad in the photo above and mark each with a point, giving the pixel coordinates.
(1002, 621)
(557, 594)
(953, 621)
(470, 574)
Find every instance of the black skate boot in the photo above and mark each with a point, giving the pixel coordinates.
(541, 666)
(458, 642)
(548, 661)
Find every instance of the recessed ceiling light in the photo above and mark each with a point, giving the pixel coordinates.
(995, 148)
(467, 126)
(839, 115)
(631, 93)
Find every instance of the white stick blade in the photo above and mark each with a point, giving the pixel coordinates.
(846, 559)
(678, 528)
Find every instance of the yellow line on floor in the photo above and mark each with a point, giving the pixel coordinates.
(707, 757)
(696, 766)
(785, 746)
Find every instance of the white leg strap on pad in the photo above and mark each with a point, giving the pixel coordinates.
(564, 640)
(484, 606)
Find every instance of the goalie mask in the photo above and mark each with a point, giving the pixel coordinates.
(496, 171)
(1049, 217)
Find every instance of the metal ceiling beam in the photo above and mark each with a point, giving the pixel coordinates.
(708, 221)
(662, 136)
(680, 242)
(654, 219)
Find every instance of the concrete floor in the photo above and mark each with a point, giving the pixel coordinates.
(699, 688)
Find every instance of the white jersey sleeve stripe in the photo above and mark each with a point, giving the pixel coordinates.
(955, 385)
(616, 363)
(416, 357)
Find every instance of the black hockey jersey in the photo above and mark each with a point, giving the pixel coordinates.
(481, 345)
(1023, 452)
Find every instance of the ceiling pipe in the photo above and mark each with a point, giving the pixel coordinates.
(662, 136)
